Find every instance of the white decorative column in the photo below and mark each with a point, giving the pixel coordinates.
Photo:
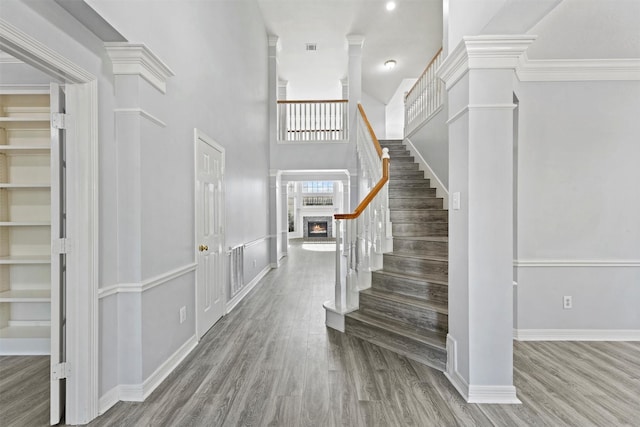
(345, 88)
(275, 240)
(355, 43)
(479, 76)
(140, 79)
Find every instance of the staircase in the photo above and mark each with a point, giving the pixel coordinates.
(405, 310)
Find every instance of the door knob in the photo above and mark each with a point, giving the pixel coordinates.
(203, 248)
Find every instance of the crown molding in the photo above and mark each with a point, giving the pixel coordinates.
(562, 70)
(137, 59)
(483, 52)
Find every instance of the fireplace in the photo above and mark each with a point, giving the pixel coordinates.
(317, 227)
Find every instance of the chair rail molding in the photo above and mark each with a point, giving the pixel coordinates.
(147, 284)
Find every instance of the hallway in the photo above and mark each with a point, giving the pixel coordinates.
(271, 361)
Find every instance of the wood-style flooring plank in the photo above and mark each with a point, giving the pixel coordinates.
(272, 362)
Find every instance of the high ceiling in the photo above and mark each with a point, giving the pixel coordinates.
(411, 34)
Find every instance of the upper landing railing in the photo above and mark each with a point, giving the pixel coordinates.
(365, 234)
(424, 99)
(300, 121)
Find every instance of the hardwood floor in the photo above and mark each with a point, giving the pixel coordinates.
(272, 362)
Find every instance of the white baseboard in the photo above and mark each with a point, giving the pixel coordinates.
(576, 334)
(139, 392)
(108, 399)
(246, 289)
(496, 394)
(163, 371)
(441, 190)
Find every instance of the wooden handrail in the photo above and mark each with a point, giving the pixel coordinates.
(423, 73)
(385, 174)
(371, 132)
(312, 101)
(373, 193)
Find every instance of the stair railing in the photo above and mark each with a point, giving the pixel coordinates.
(365, 234)
(301, 121)
(424, 98)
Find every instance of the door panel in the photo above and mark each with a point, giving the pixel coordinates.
(209, 233)
(58, 258)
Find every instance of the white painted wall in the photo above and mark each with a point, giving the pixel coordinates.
(432, 142)
(226, 102)
(375, 111)
(578, 201)
(394, 111)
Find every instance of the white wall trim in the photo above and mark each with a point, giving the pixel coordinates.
(163, 371)
(5, 58)
(23, 47)
(494, 394)
(231, 304)
(441, 190)
(458, 114)
(576, 334)
(147, 284)
(563, 70)
(576, 263)
(20, 89)
(138, 59)
(483, 52)
(258, 241)
(82, 348)
(139, 392)
(109, 399)
(143, 113)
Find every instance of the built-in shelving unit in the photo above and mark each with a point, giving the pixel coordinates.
(25, 219)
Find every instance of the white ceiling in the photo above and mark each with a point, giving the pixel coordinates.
(411, 34)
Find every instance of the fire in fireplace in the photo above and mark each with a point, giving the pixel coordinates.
(318, 229)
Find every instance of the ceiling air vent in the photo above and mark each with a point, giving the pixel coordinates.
(311, 47)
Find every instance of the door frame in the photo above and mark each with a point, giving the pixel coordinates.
(81, 403)
(198, 135)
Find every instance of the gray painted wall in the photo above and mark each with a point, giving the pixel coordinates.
(432, 141)
(228, 102)
(579, 201)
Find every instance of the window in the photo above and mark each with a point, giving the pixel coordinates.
(317, 186)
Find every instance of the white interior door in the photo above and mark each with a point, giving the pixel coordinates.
(58, 257)
(210, 256)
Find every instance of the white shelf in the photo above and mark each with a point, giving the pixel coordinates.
(26, 259)
(25, 340)
(25, 149)
(41, 295)
(15, 123)
(25, 223)
(24, 186)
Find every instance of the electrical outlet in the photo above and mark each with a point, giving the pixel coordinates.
(567, 302)
(183, 314)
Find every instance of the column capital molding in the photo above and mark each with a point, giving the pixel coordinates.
(273, 40)
(484, 52)
(138, 59)
(355, 40)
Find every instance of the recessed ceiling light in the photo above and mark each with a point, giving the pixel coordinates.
(391, 5)
(390, 64)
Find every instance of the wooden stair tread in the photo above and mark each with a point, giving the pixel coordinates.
(431, 338)
(410, 277)
(423, 239)
(407, 300)
(414, 256)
